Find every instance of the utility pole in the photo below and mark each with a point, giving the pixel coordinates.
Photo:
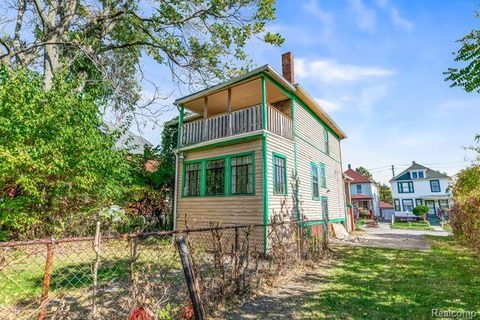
(393, 171)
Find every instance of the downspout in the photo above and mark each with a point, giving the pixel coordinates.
(181, 110)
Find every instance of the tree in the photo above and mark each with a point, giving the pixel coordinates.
(385, 193)
(102, 41)
(468, 76)
(421, 211)
(58, 166)
(364, 172)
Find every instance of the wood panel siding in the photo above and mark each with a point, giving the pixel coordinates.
(280, 204)
(226, 210)
(311, 148)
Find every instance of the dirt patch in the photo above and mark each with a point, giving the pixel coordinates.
(282, 300)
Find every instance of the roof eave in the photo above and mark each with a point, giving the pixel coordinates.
(266, 68)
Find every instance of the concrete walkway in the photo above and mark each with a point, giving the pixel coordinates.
(384, 237)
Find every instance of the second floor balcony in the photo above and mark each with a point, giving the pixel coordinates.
(235, 123)
(236, 109)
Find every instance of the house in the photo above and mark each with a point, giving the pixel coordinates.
(364, 193)
(419, 185)
(242, 147)
(350, 217)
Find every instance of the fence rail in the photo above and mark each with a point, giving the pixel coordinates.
(235, 123)
(115, 276)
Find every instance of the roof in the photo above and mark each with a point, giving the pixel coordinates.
(360, 196)
(385, 205)
(429, 173)
(356, 177)
(298, 90)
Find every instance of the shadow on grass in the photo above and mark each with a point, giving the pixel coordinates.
(374, 283)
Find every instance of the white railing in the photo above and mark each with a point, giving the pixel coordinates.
(237, 122)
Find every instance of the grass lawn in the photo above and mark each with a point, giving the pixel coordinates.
(22, 274)
(415, 225)
(447, 227)
(372, 283)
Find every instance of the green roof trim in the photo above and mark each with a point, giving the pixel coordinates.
(429, 173)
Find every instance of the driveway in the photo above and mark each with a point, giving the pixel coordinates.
(384, 237)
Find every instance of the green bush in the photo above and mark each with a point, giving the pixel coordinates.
(58, 167)
(421, 211)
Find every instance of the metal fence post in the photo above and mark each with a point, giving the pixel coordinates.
(96, 249)
(192, 283)
(46, 280)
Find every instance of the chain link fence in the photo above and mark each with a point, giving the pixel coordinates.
(133, 275)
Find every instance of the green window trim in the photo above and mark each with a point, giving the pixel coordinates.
(410, 188)
(418, 202)
(314, 166)
(396, 205)
(285, 184)
(184, 170)
(438, 185)
(322, 175)
(227, 176)
(325, 141)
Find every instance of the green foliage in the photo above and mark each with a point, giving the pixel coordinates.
(420, 211)
(364, 172)
(57, 166)
(385, 193)
(465, 214)
(467, 76)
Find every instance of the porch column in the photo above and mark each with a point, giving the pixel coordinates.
(264, 104)
(180, 126)
(229, 111)
(205, 116)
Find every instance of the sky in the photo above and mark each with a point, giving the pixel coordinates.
(377, 68)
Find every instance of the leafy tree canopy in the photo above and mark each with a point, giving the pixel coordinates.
(102, 41)
(57, 163)
(364, 172)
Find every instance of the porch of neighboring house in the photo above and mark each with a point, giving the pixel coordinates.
(237, 111)
(363, 204)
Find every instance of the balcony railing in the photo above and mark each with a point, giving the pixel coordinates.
(235, 123)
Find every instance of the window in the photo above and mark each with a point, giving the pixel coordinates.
(279, 174)
(396, 204)
(443, 204)
(417, 174)
(434, 185)
(192, 179)
(405, 187)
(323, 176)
(325, 141)
(242, 175)
(315, 187)
(407, 205)
(215, 174)
(418, 202)
(359, 188)
(325, 208)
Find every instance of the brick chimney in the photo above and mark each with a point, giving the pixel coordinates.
(287, 67)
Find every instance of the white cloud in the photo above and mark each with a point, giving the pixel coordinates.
(328, 106)
(366, 18)
(327, 70)
(401, 22)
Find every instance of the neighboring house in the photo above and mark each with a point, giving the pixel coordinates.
(386, 210)
(419, 185)
(350, 222)
(247, 139)
(364, 192)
